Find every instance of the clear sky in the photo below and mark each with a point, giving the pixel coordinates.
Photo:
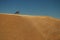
(31, 7)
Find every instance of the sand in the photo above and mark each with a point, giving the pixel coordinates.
(27, 27)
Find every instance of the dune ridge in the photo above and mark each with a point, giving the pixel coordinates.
(27, 27)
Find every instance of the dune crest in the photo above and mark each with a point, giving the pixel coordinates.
(26, 27)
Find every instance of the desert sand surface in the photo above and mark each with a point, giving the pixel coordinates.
(27, 27)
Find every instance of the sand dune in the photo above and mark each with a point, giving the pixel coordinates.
(27, 27)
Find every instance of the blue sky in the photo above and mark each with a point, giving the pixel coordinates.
(31, 7)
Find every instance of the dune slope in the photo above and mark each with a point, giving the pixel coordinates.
(17, 27)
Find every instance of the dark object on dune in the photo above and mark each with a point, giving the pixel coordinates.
(17, 12)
